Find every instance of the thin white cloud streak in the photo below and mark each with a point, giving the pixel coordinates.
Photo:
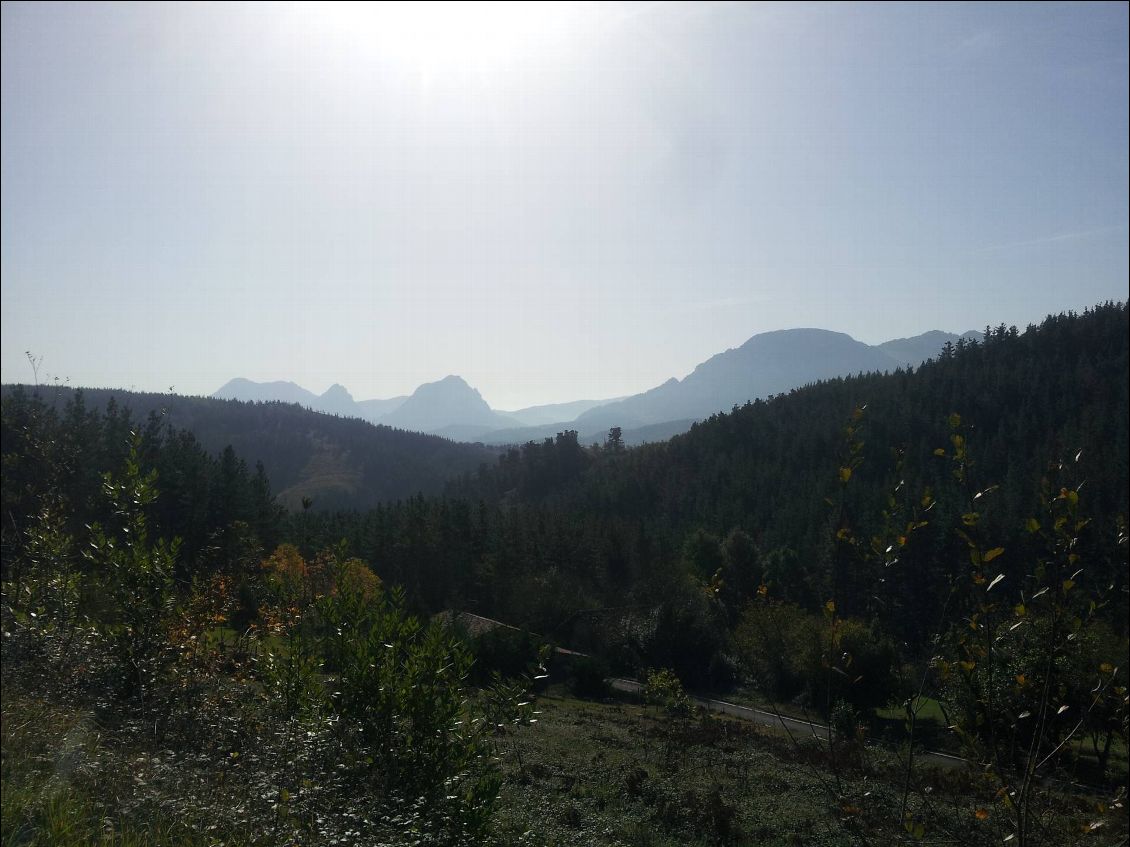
(1053, 239)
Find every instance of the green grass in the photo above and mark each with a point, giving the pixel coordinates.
(615, 774)
(56, 791)
(230, 638)
(62, 817)
(622, 774)
(928, 709)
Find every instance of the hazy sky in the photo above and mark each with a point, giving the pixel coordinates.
(575, 201)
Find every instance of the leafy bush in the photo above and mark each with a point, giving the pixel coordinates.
(663, 689)
(137, 575)
(772, 639)
(399, 690)
(790, 652)
(844, 721)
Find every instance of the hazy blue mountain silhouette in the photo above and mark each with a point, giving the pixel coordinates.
(336, 400)
(917, 349)
(265, 392)
(447, 407)
(551, 413)
(769, 363)
(373, 410)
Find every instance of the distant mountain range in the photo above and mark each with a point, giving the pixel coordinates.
(554, 412)
(335, 401)
(450, 408)
(333, 455)
(768, 363)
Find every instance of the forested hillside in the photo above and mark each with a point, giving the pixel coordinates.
(55, 458)
(1025, 400)
(335, 462)
(757, 496)
(554, 530)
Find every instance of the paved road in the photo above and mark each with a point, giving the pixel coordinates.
(796, 726)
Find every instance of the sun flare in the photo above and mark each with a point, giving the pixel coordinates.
(436, 37)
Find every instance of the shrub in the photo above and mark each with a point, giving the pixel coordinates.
(399, 690)
(137, 575)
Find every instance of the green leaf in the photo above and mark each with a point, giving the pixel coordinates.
(992, 554)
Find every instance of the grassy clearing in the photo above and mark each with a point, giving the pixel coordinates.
(62, 786)
(586, 773)
(623, 774)
(927, 708)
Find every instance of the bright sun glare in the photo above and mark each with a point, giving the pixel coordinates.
(448, 36)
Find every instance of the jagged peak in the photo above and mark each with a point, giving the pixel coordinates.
(337, 390)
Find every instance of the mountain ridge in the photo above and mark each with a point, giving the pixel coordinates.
(448, 402)
(766, 363)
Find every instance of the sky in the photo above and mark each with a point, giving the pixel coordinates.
(556, 201)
